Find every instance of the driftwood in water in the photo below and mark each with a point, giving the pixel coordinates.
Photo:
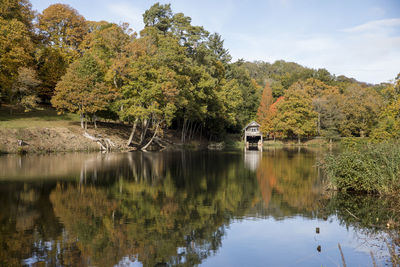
(105, 143)
(160, 142)
(216, 146)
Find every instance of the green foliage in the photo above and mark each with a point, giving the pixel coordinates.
(82, 88)
(360, 108)
(295, 117)
(371, 168)
(389, 119)
(180, 74)
(51, 65)
(250, 93)
(23, 90)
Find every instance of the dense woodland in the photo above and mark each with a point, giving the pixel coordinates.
(173, 74)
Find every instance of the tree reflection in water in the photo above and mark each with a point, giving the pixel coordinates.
(156, 208)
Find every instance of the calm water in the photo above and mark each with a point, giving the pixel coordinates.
(183, 208)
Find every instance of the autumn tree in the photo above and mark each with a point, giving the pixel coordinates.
(325, 100)
(24, 88)
(267, 125)
(82, 89)
(20, 10)
(388, 126)
(51, 65)
(63, 27)
(152, 83)
(360, 107)
(295, 117)
(106, 40)
(16, 42)
(265, 104)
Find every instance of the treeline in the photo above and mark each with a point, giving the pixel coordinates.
(299, 102)
(172, 74)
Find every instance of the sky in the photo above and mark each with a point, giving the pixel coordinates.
(356, 38)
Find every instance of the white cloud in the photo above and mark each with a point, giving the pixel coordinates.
(375, 26)
(127, 13)
(369, 52)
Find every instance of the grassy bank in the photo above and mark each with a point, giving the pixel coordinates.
(15, 117)
(45, 131)
(366, 168)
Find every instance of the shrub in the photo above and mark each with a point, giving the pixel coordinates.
(368, 168)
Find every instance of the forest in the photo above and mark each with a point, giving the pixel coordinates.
(176, 75)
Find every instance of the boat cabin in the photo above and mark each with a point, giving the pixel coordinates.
(252, 135)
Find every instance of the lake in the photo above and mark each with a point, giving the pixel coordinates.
(184, 208)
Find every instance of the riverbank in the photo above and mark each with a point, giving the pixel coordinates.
(44, 131)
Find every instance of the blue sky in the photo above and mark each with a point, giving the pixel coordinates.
(357, 38)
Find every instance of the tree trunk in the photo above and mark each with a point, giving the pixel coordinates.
(298, 140)
(189, 130)
(201, 131)
(194, 131)
(132, 133)
(151, 140)
(94, 121)
(81, 117)
(183, 131)
(144, 131)
(319, 124)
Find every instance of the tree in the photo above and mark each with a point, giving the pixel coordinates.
(152, 81)
(51, 65)
(16, 42)
(82, 89)
(325, 100)
(20, 10)
(388, 126)
(265, 104)
(216, 45)
(106, 41)
(63, 28)
(250, 93)
(158, 16)
(267, 126)
(360, 107)
(24, 88)
(295, 117)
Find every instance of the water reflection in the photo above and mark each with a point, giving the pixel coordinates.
(161, 208)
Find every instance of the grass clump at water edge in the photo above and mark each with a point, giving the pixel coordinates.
(366, 168)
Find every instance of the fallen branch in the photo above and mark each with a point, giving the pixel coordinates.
(105, 143)
(151, 140)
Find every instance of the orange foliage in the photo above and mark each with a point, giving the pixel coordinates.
(266, 123)
(265, 103)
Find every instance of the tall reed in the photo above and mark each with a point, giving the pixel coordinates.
(372, 168)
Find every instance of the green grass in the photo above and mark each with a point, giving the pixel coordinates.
(45, 117)
(366, 168)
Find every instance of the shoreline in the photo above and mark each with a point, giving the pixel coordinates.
(70, 138)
